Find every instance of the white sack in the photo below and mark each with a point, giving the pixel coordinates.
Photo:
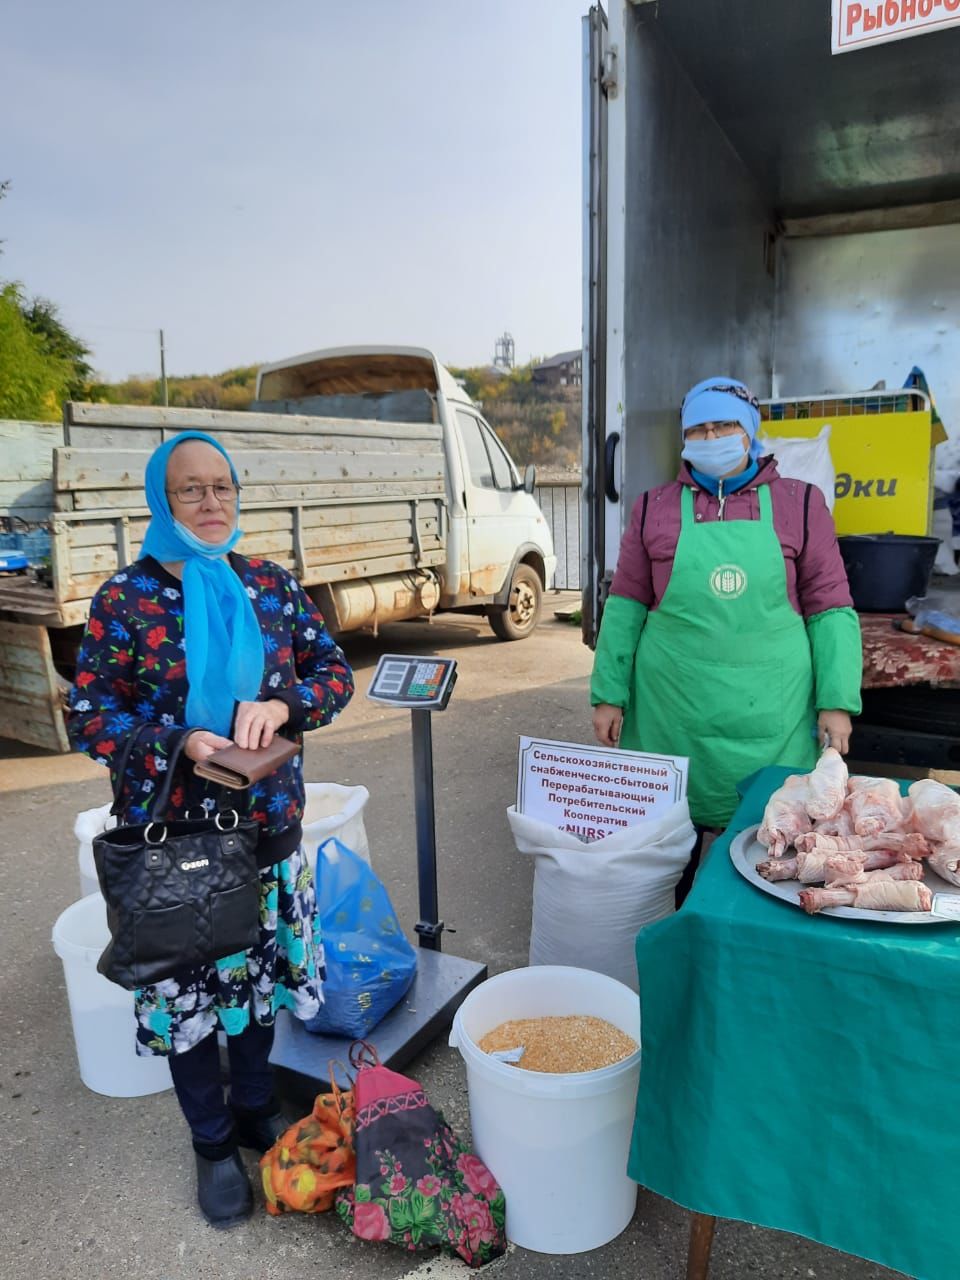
(805, 459)
(90, 823)
(334, 810)
(943, 529)
(591, 900)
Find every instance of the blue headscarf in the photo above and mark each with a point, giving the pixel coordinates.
(224, 645)
(723, 400)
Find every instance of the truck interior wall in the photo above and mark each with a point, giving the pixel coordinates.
(855, 309)
(700, 289)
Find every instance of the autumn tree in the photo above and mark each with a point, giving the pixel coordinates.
(41, 362)
(33, 382)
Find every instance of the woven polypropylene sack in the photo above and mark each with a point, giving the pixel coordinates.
(590, 900)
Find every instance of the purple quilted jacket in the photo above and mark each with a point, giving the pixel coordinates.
(816, 579)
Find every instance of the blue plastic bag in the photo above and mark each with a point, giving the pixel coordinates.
(369, 963)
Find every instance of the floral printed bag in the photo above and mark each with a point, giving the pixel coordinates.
(418, 1184)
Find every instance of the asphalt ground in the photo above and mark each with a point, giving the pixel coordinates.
(103, 1189)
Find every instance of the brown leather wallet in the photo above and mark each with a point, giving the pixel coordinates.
(238, 767)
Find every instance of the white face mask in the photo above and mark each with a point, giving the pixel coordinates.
(715, 458)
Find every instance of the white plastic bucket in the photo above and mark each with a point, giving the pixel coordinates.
(89, 824)
(557, 1144)
(104, 1026)
(334, 810)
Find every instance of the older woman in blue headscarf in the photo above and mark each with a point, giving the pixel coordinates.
(195, 647)
(729, 634)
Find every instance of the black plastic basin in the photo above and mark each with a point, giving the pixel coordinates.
(885, 569)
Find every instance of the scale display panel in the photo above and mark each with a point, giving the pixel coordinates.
(402, 680)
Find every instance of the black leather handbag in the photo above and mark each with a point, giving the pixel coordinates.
(179, 894)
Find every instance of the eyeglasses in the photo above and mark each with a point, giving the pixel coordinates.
(708, 429)
(191, 494)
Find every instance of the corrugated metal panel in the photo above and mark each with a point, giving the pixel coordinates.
(560, 504)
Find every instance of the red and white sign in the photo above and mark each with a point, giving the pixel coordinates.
(593, 792)
(859, 23)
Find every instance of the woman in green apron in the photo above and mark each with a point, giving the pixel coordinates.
(729, 634)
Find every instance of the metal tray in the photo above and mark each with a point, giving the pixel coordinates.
(746, 851)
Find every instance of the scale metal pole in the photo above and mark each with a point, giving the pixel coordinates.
(429, 926)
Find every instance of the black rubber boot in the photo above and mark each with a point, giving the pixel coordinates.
(223, 1188)
(259, 1129)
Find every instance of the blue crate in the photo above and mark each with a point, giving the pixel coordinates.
(34, 545)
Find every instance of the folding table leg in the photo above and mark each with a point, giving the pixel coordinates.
(701, 1238)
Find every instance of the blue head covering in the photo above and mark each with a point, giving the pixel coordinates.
(723, 400)
(224, 645)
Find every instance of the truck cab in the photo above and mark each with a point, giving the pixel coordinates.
(499, 551)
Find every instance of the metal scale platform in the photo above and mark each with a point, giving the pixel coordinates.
(302, 1059)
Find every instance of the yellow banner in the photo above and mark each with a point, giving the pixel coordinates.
(884, 466)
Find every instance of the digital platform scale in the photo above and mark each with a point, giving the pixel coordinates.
(418, 683)
(422, 686)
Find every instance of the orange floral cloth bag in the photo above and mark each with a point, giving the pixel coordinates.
(309, 1163)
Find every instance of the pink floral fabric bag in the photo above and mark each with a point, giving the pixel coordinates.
(418, 1185)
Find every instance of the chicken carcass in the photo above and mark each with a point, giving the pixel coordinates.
(899, 871)
(946, 863)
(812, 867)
(841, 825)
(778, 869)
(873, 895)
(875, 805)
(785, 816)
(827, 786)
(839, 867)
(934, 811)
(910, 844)
(824, 865)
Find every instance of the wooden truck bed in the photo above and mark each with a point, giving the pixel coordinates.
(328, 499)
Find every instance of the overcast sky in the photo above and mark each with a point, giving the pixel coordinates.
(262, 179)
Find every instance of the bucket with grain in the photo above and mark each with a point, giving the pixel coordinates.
(557, 1142)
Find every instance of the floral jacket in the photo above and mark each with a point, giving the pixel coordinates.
(131, 680)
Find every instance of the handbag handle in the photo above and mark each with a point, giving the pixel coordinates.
(363, 1054)
(161, 797)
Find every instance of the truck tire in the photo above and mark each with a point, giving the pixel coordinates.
(522, 613)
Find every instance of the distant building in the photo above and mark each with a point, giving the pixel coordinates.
(563, 370)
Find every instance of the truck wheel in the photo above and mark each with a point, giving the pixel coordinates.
(522, 613)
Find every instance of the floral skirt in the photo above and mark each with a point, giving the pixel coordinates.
(283, 971)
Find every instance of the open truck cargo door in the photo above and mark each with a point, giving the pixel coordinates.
(599, 468)
(777, 214)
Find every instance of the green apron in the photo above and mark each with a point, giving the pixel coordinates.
(723, 672)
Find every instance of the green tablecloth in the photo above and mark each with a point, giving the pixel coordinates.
(802, 1072)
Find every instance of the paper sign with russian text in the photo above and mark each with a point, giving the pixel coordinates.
(593, 792)
(860, 23)
(946, 905)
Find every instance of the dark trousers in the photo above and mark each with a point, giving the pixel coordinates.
(196, 1079)
(690, 870)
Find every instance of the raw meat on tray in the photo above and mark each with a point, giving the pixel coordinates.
(946, 864)
(860, 839)
(911, 844)
(821, 865)
(875, 804)
(785, 816)
(934, 811)
(837, 879)
(873, 895)
(827, 786)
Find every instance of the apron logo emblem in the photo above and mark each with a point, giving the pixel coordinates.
(728, 581)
